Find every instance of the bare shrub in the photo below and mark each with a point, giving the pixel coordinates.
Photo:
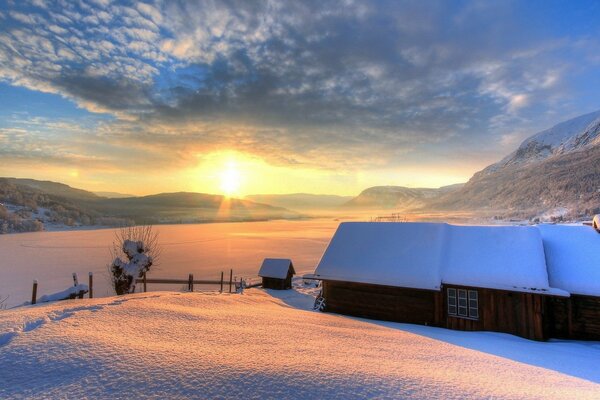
(135, 249)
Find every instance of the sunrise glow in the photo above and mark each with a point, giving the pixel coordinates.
(230, 180)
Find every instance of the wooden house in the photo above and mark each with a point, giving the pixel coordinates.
(458, 277)
(277, 273)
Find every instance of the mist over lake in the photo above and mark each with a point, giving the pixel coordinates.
(201, 249)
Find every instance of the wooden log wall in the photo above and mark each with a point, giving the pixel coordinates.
(381, 302)
(520, 314)
(576, 317)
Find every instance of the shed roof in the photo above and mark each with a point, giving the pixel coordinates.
(275, 268)
(425, 255)
(573, 258)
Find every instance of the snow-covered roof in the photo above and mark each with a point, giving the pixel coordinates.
(496, 257)
(275, 268)
(427, 255)
(393, 254)
(572, 257)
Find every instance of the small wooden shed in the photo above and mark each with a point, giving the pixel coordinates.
(276, 273)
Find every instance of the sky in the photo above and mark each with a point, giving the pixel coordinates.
(249, 97)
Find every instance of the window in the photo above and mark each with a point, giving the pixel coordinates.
(473, 304)
(451, 301)
(463, 303)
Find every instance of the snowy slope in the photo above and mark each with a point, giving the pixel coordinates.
(562, 138)
(266, 345)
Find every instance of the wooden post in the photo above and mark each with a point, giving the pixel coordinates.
(91, 285)
(230, 279)
(75, 280)
(191, 283)
(221, 282)
(34, 292)
(144, 282)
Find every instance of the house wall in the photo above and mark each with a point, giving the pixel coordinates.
(382, 302)
(520, 314)
(576, 317)
(517, 313)
(273, 283)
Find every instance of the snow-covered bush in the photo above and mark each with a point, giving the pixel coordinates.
(135, 250)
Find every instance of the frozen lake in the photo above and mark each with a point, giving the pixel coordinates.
(204, 250)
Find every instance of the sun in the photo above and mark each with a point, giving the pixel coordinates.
(230, 180)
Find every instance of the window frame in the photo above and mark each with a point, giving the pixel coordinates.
(462, 303)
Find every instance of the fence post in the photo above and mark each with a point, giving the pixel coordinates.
(144, 282)
(34, 292)
(221, 282)
(75, 280)
(191, 283)
(91, 285)
(230, 279)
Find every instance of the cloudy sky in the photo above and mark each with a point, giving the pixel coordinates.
(310, 96)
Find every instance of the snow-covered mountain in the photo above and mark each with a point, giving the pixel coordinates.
(562, 138)
(554, 171)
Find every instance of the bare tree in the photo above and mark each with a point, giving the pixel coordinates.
(3, 302)
(139, 246)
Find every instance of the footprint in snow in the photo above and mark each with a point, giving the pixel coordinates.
(7, 337)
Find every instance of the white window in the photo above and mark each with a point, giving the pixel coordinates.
(451, 301)
(463, 303)
(473, 304)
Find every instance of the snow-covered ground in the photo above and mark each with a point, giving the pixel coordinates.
(269, 344)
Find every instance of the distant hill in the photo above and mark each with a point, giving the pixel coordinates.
(190, 207)
(54, 188)
(397, 197)
(555, 172)
(113, 195)
(301, 201)
(30, 205)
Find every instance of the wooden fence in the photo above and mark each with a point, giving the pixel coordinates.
(231, 284)
(190, 282)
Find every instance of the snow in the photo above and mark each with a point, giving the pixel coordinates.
(275, 268)
(265, 344)
(65, 294)
(561, 138)
(495, 257)
(427, 255)
(394, 254)
(572, 257)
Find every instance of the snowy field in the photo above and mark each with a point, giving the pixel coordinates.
(203, 249)
(268, 344)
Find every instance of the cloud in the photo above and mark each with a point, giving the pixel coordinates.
(329, 84)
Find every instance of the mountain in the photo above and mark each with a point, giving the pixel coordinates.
(113, 195)
(563, 138)
(190, 207)
(553, 173)
(301, 201)
(397, 197)
(54, 188)
(31, 205)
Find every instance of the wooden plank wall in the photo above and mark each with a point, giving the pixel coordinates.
(577, 317)
(520, 314)
(273, 283)
(382, 302)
